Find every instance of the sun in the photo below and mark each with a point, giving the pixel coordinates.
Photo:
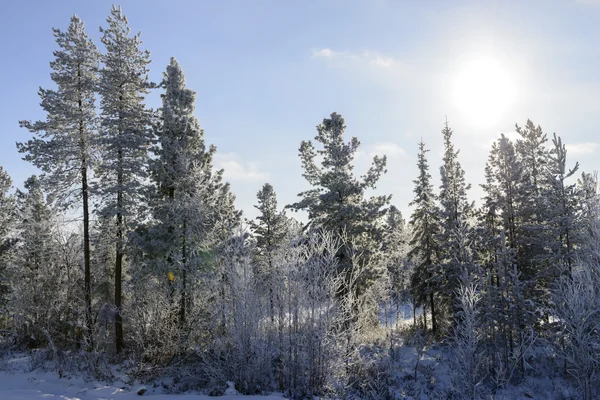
(483, 90)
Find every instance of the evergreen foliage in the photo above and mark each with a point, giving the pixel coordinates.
(277, 305)
(425, 248)
(337, 203)
(124, 140)
(456, 213)
(67, 141)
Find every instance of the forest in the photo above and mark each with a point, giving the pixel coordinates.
(159, 273)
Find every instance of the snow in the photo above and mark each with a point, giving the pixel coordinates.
(18, 383)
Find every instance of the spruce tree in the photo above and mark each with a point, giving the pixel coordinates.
(455, 213)
(270, 225)
(126, 135)
(424, 243)
(65, 142)
(270, 230)
(395, 249)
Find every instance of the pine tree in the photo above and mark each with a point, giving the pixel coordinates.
(455, 213)
(534, 156)
(35, 261)
(336, 202)
(66, 140)
(511, 277)
(270, 230)
(533, 214)
(563, 203)
(424, 242)
(126, 135)
(7, 205)
(191, 199)
(455, 206)
(588, 216)
(509, 175)
(395, 248)
(394, 230)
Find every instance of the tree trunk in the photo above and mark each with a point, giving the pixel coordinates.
(280, 328)
(271, 295)
(86, 226)
(433, 322)
(119, 342)
(86, 257)
(183, 277)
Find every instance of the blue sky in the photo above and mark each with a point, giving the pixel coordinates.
(267, 72)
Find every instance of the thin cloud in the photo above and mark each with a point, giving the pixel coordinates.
(235, 169)
(325, 53)
(342, 58)
(378, 61)
(582, 148)
(386, 148)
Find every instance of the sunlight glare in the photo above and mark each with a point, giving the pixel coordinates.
(483, 90)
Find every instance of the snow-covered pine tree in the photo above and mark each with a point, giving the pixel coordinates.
(532, 151)
(395, 249)
(588, 228)
(336, 202)
(270, 227)
(455, 210)
(533, 259)
(563, 202)
(509, 175)
(576, 303)
(270, 230)
(490, 227)
(424, 243)
(7, 205)
(191, 200)
(510, 303)
(533, 155)
(576, 299)
(65, 142)
(394, 229)
(125, 137)
(35, 276)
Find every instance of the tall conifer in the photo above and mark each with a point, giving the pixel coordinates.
(126, 136)
(66, 142)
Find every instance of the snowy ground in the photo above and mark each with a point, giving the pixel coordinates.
(18, 383)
